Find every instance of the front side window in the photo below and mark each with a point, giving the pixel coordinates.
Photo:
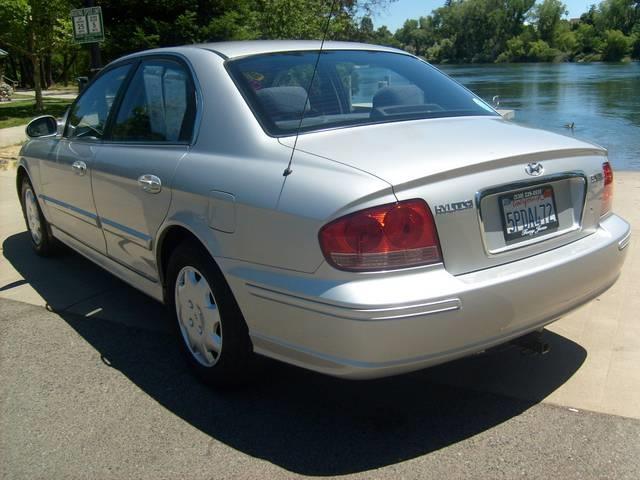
(349, 88)
(88, 117)
(158, 105)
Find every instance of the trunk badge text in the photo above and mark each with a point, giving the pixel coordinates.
(534, 169)
(453, 207)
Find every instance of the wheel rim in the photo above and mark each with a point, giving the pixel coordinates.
(198, 316)
(33, 216)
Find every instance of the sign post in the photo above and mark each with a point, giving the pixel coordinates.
(88, 27)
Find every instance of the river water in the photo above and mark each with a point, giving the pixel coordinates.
(601, 100)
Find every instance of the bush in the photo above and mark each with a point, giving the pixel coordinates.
(635, 47)
(441, 51)
(616, 45)
(567, 42)
(516, 51)
(587, 39)
(5, 91)
(587, 57)
(540, 51)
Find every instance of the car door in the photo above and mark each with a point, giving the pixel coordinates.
(149, 134)
(66, 174)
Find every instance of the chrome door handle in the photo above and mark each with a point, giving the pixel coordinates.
(150, 183)
(79, 167)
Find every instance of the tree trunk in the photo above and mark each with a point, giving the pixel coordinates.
(13, 70)
(26, 74)
(43, 76)
(37, 84)
(67, 63)
(48, 70)
(36, 63)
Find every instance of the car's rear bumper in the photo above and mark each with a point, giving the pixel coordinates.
(378, 325)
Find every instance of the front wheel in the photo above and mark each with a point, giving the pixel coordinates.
(212, 331)
(37, 225)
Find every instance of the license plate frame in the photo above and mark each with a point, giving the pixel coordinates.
(527, 213)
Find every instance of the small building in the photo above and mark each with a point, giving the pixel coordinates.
(3, 55)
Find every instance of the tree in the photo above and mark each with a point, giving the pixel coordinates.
(587, 38)
(616, 45)
(619, 15)
(30, 28)
(547, 16)
(540, 51)
(382, 36)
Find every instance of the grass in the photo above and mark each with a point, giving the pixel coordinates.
(20, 112)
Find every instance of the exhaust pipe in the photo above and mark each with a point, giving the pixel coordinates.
(532, 343)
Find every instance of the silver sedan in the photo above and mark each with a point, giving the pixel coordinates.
(350, 210)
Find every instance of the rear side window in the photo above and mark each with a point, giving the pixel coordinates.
(88, 117)
(349, 88)
(158, 105)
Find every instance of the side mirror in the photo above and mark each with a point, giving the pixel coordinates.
(45, 126)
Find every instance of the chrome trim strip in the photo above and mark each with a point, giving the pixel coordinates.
(126, 232)
(624, 243)
(71, 208)
(354, 313)
(511, 187)
(117, 229)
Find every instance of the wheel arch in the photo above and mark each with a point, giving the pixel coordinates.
(170, 237)
(21, 174)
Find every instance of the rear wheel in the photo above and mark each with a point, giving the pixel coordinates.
(212, 331)
(38, 227)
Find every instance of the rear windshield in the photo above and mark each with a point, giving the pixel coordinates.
(349, 88)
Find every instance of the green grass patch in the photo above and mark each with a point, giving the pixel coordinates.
(22, 111)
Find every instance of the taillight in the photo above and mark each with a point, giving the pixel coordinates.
(607, 193)
(395, 235)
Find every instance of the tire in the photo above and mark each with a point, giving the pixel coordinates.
(39, 230)
(212, 332)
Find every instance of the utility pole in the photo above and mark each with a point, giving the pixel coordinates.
(94, 49)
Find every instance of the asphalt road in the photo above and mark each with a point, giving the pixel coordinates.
(84, 397)
(92, 386)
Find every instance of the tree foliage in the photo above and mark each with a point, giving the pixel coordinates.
(524, 30)
(37, 33)
(35, 29)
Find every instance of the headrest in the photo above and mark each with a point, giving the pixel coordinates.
(283, 101)
(398, 95)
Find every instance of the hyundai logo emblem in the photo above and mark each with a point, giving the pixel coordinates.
(534, 169)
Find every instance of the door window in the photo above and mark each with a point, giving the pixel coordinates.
(88, 117)
(158, 105)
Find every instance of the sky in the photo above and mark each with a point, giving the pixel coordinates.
(399, 11)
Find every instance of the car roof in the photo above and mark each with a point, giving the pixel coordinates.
(255, 47)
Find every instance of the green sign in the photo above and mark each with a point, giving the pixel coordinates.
(87, 25)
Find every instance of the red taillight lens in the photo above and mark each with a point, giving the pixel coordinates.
(396, 235)
(607, 193)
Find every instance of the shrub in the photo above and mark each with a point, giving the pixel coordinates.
(441, 51)
(616, 45)
(540, 51)
(635, 46)
(5, 91)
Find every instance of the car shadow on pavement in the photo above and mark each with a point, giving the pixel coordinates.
(301, 421)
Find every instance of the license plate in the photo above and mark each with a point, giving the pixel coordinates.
(528, 213)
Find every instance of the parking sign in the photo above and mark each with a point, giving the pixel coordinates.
(87, 25)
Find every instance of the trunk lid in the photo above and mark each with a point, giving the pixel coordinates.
(471, 171)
